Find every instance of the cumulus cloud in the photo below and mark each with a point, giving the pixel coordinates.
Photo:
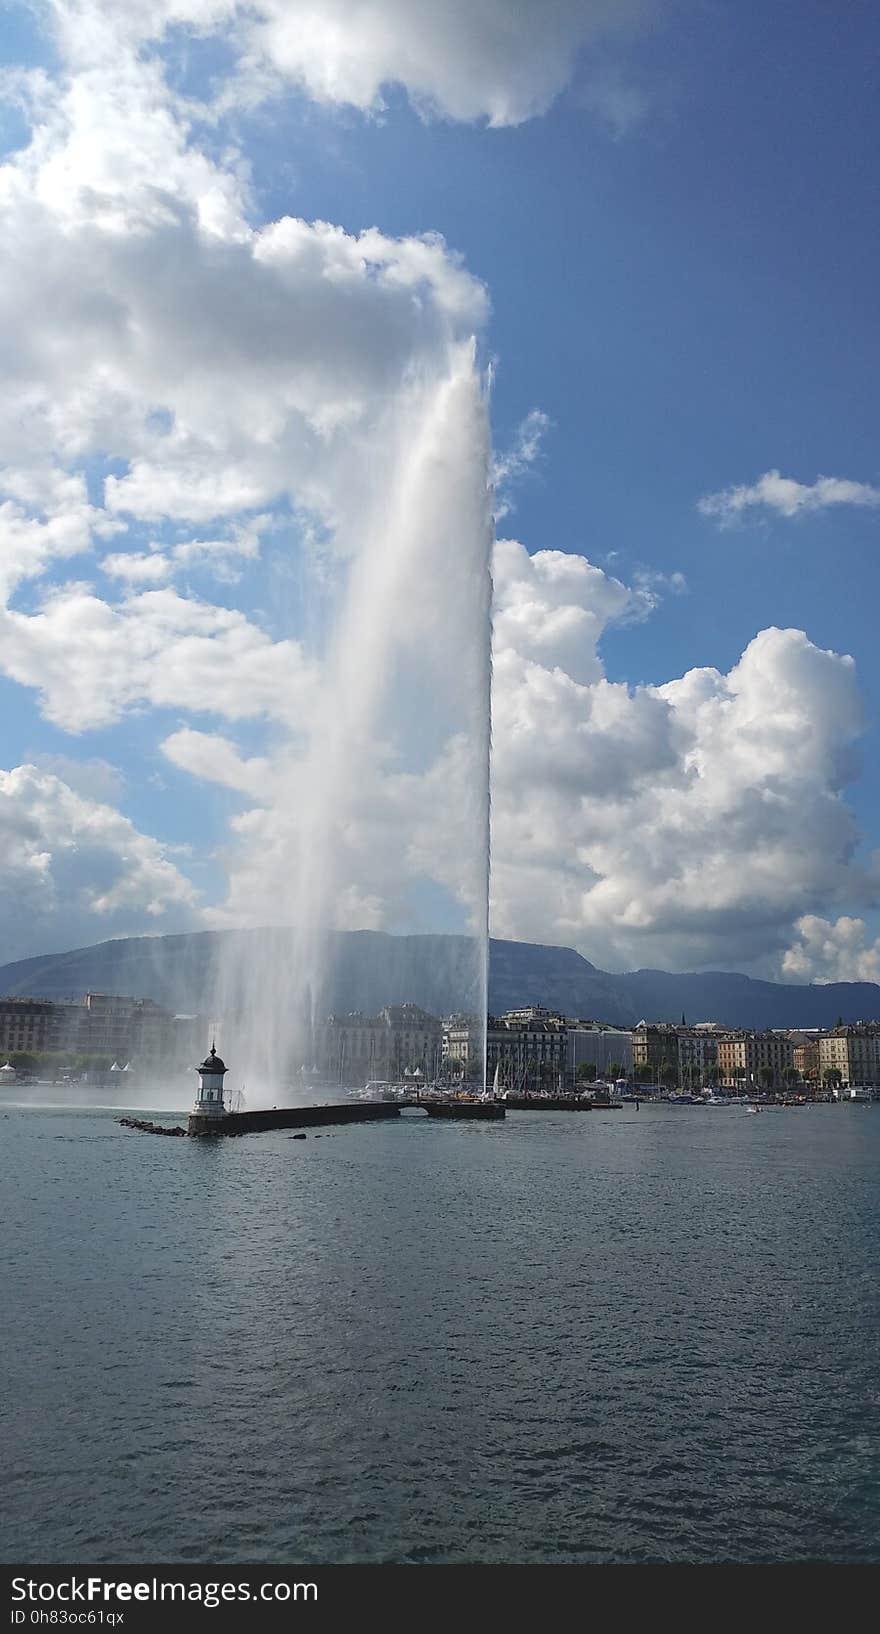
(45, 517)
(74, 870)
(245, 378)
(832, 951)
(690, 823)
(784, 497)
(226, 389)
(502, 61)
(136, 567)
(553, 606)
(91, 661)
(92, 777)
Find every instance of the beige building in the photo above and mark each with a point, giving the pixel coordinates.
(746, 1059)
(852, 1051)
(660, 1049)
(805, 1055)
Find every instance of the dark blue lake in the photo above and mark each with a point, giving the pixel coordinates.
(627, 1336)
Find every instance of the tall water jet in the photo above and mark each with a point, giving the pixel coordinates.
(377, 813)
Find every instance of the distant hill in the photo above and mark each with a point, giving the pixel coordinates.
(372, 969)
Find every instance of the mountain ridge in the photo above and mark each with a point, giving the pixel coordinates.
(372, 968)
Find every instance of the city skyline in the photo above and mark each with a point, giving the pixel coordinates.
(530, 1049)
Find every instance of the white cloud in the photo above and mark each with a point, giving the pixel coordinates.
(223, 557)
(91, 661)
(552, 608)
(688, 824)
(92, 777)
(226, 556)
(137, 567)
(654, 584)
(74, 870)
(45, 517)
(503, 61)
(516, 461)
(246, 378)
(782, 495)
(499, 60)
(214, 759)
(832, 951)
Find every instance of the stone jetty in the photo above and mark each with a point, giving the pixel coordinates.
(311, 1117)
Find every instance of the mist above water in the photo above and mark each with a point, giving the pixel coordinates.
(378, 809)
(162, 1096)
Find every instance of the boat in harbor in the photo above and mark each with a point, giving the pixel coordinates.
(380, 1089)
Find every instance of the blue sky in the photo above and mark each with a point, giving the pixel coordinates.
(680, 257)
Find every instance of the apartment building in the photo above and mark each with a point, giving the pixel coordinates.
(102, 1024)
(853, 1051)
(591, 1044)
(355, 1048)
(748, 1060)
(655, 1049)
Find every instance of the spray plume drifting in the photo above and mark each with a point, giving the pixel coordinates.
(379, 803)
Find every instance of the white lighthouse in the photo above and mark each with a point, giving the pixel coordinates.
(209, 1100)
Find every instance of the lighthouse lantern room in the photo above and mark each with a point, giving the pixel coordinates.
(209, 1100)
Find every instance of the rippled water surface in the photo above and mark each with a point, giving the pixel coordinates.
(627, 1336)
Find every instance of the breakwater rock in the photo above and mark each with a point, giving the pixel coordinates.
(146, 1128)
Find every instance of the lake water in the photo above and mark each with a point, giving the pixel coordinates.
(627, 1336)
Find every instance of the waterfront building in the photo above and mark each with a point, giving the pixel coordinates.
(655, 1050)
(402, 1039)
(533, 1015)
(805, 1055)
(101, 1024)
(752, 1061)
(461, 1049)
(732, 1060)
(853, 1051)
(589, 1043)
(697, 1052)
(529, 1048)
(666, 1052)
(33, 1026)
(137, 1030)
(526, 1049)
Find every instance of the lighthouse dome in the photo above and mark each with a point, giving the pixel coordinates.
(212, 1063)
